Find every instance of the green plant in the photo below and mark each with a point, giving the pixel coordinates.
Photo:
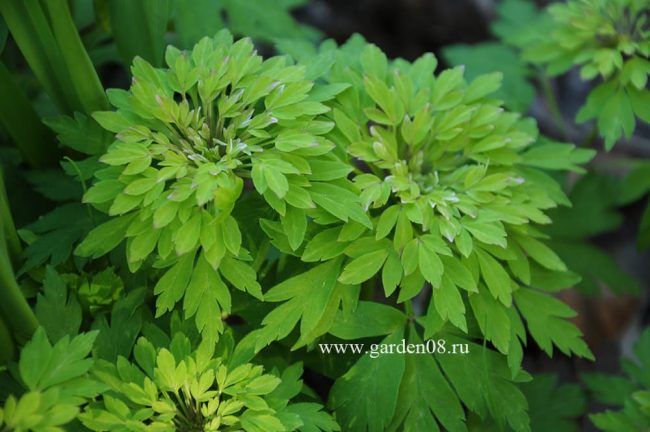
(235, 213)
(55, 383)
(630, 392)
(183, 389)
(607, 39)
(177, 169)
(526, 55)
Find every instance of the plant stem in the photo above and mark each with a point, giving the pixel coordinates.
(6, 220)
(7, 347)
(13, 306)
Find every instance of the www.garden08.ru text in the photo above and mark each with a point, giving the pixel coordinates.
(431, 346)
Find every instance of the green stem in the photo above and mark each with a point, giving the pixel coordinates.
(7, 222)
(13, 306)
(34, 141)
(553, 105)
(7, 347)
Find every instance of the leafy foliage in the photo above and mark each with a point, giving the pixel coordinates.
(607, 39)
(595, 199)
(56, 383)
(629, 392)
(178, 388)
(451, 190)
(187, 137)
(516, 91)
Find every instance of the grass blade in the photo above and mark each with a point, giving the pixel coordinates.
(80, 69)
(31, 31)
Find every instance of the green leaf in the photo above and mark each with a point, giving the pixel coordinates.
(541, 253)
(387, 221)
(492, 318)
(459, 274)
(374, 62)
(171, 286)
(291, 140)
(116, 338)
(553, 407)
(42, 365)
(231, 235)
(58, 311)
(612, 108)
(324, 246)
(426, 401)
(52, 48)
(313, 418)
(294, 223)
(79, 68)
(546, 318)
(487, 232)
(339, 202)
(363, 402)
(241, 275)
(429, 263)
(557, 156)
(636, 184)
(276, 181)
(308, 297)
(105, 237)
(483, 382)
(628, 391)
(596, 267)
(495, 277)
(22, 123)
(449, 303)
(186, 239)
(368, 319)
(364, 267)
(206, 296)
(391, 274)
(326, 170)
(56, 236)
